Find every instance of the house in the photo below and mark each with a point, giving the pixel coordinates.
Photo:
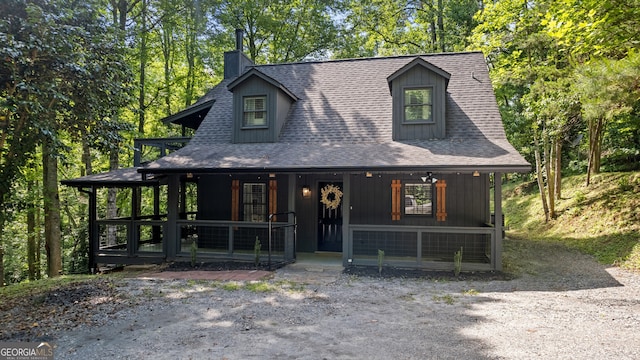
(399, 154)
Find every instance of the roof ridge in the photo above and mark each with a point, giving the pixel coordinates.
(373, 58)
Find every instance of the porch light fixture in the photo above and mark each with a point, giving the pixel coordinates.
(368, 174)
(476, 173)
(306, 191)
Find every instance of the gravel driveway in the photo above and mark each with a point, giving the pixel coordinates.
(563, 305)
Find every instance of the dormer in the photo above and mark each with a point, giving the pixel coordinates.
(260, 107)
(419, 92)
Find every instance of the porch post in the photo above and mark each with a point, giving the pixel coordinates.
(156, 213)
(290, 245)
(134, 235)
(346, 213)
(171, 237)
(497, 203)
(94, 241)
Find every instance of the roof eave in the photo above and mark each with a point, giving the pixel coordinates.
(255, 72)
(188, 111)
(516, 168)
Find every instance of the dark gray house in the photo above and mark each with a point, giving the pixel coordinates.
(350, 156)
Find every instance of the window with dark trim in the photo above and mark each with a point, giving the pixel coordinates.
(418, 199)
(418, 105)
(254, 202)
(254, 110)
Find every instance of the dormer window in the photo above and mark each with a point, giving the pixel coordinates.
(418, 105)
(254, 111)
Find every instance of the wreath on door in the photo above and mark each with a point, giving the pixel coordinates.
(331, 196)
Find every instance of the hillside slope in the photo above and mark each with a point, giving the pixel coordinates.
(602, 220)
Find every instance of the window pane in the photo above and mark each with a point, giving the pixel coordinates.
(417, 96)
(421, 112)
(417, 104)
(255, 112)
(255, 202)
(254, 103)
(255, 118)
(418, 199)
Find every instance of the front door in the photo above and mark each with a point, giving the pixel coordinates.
(330, 216)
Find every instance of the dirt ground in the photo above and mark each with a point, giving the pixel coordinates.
(562, 305)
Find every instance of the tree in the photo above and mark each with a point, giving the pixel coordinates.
(282, 31)
(609, 90)
(50, 88)
(408, 27)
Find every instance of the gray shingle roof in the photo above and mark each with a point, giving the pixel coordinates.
(343, 120)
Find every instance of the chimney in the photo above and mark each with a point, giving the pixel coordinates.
(239, 35)
(236, 61)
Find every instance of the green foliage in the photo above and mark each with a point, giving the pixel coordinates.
(380, 261)
(601, 222)
(282, 31)
(382, 27)
(259, 287)
(457, 262)
(232, 286)
(447, 299)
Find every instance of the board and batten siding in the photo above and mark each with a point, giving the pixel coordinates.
(419, 76)
(278, 105)
(214, 195)
(467, 200)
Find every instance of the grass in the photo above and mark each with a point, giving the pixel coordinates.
(263, 286)
(447, 299)
(42, 285)
(600, 220)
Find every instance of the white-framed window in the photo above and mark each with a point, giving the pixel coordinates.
(254, 201)
(418, 199)
(418, 105)
(254, 111)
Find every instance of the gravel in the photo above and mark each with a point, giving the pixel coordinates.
(561, 305)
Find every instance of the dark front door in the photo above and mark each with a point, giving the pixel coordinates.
(330, 216)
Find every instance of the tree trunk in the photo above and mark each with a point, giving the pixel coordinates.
(112, 206)
(1, 258)
(53, 235)
(143, 66)
(190, 54)
(167, 45)
(31, 234)
(548, 155)
(1, 264)
(541, 188)
(558, 166)
(86, 158)
(441, 24)
(38, 267)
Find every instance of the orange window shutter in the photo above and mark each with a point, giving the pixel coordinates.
(273, 197)
(396, 192)
(441, 193)
(235, 200)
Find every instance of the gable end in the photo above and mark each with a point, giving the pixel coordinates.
(260, 107)
(419, 92)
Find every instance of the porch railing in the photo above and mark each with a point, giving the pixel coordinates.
(431, 247)
(151, 149)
